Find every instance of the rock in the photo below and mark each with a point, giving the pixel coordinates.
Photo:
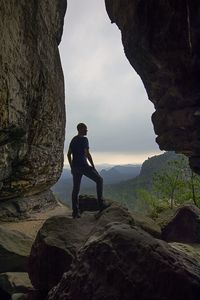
(120, 214)
(62, 236)
(55, 249)
(23, 207)
(184, 226)
(14, 250)
(161, 42)
(147, 224)
(88, 203)
(192, 250)
(32, 113)
(127, 263)
(15, 283)
(20, 296)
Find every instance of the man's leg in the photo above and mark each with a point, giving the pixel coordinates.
(94, 175)
(76, 188)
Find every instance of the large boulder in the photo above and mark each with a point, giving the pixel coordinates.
(32, 111)
(119, 214)
(126, 263)
(14, 250)
(184, 226)
(55, 248)
(61, 237)
(161, 42)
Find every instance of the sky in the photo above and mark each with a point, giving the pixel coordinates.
(102, 90)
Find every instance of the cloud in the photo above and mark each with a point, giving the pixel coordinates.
(102, 89)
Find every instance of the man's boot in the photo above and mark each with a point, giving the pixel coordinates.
(76, 214)
(103, 205)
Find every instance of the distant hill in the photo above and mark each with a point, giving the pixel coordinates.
(120, 173)
(111, 175)
(126, 191)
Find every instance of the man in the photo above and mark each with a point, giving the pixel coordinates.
(78, 156)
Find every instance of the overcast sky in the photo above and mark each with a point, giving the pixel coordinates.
(102, 89)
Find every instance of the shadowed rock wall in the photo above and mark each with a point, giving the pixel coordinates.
(162, 42)
(32, 111)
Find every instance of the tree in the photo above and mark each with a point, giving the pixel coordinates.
(168, 182)
(149, 203)
(177, 183)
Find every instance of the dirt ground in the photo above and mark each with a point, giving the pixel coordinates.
(31, 226)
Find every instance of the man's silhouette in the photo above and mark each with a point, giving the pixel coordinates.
(78, 156)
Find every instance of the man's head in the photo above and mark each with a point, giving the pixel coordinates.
(82, 129)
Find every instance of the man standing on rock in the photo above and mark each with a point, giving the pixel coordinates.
(78, 156)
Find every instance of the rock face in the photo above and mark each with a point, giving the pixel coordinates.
(127, 263)
(24, 207)
(161, 41)
(32, 111)
(184, 226)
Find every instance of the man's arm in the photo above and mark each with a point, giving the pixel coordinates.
(89, 157)
(69, 156)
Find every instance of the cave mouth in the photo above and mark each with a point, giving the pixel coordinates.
(102, 88)
(32, 87)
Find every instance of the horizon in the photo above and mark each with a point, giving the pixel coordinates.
(116, 159)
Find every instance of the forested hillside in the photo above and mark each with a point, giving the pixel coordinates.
(126, 192)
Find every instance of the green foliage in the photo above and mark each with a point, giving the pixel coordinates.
(127, 192)
(150, 204)
(168, 183)
(171, 186)
(165, 181)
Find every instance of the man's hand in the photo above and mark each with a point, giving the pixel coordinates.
(69, 156)
(89, 157)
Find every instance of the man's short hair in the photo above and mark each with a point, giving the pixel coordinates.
(80, 126)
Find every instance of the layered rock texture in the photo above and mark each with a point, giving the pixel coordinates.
(32, 111)
(25, 207)
(110, 255)
(127, 263)
(61, 237)
(161, 41)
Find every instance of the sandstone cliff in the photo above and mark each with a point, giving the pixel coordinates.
(161, 41)
(32, 111)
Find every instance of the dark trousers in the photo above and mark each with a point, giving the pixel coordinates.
(77, 176)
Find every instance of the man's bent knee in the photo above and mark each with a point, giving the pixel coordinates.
(99, 180)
